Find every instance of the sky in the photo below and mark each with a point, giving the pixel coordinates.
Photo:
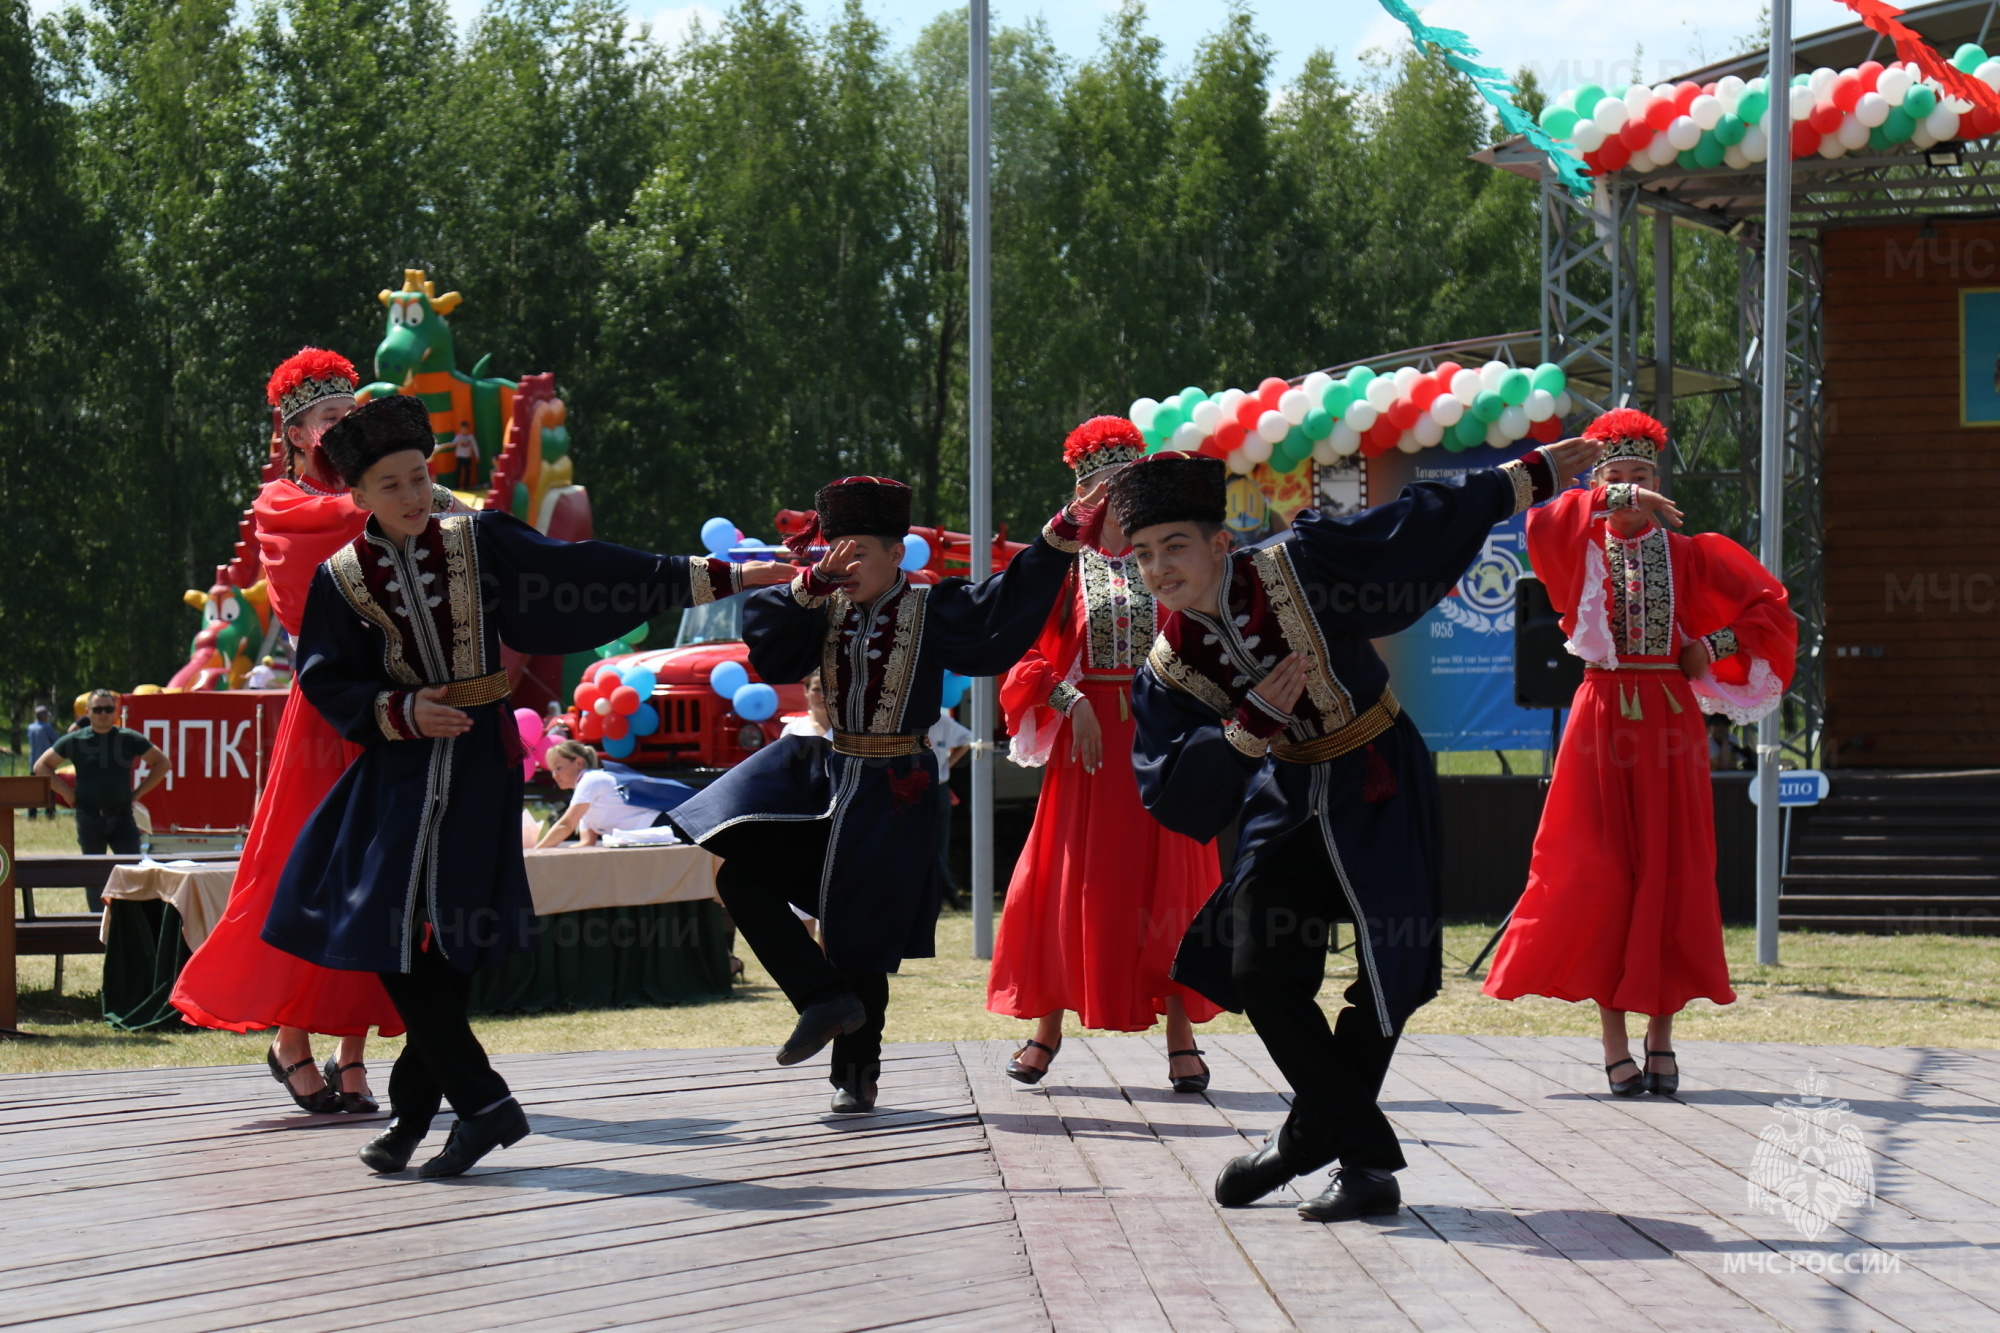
(1566, 42)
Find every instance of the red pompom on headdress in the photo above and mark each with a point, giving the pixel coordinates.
(311, 374)
(1103, 442)
(1627, 433)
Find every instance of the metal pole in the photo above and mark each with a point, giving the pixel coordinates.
(979, 395)
(1663, 331)
(1771, 478)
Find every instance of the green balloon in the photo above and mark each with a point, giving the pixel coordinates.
(1515, 387)
(1318, 424)
(1191, 395)
(1559, 121)
(1166, 421)
(1899, 126)
(1339, 397)
(1750, 107)
(1968, 58)
(1295, 444)
(1487, 408)
(1283, 461)
(1470, 430)
(1587, 98)
(1708, 153)
(1919, 102)
(1358, 380)
(1801, 80)
(1549, 378)
(1686, 160)
(1730, 130)
(1878, 137)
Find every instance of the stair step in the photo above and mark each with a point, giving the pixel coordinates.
(1890, 903)
(1893, 925)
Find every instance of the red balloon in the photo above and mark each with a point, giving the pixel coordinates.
(590, 727)
(1213, 447)
(617, 727)
(1614, 155)
(1270, 391)
(1596, 167)
(1825, 117)
(625, 701)
(1661, 114)
(1636, 134)
(1684, 95)
(1847, 91)
(586, 695)
(1805, 139)
(1870, 71)
(1546, 432)
(1381, 437)
(1249, 411)
(1402, 414)
(1230, 434)
(1443, 374)
(1426, 390)
(1984, 121)
(1709, 88)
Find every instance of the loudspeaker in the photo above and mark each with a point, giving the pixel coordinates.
(1546, 673)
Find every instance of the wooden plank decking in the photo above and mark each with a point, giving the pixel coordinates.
(709, 1189)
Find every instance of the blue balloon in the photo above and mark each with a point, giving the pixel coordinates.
(755, 702)
(642, 679)
(954, 689)
(645, 721)
(718, 534)
(916, 552)
(620, 747)
(727, 678)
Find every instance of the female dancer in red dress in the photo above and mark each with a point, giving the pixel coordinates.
(1621, 904)
(235, 980)
(1102, 893)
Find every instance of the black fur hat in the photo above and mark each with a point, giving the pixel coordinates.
(864, 507)
(1169, 487)
(373, 431)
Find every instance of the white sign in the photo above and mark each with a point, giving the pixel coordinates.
(1797, 786)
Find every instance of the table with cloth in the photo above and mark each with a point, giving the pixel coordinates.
(620, 927)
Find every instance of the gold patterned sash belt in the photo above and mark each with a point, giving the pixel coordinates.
(1353, 736)
(488, 689)
(866, 745)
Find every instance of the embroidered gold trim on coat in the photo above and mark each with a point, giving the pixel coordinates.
(1064, 544)
(441, 498)
(1642, 593)
(383, 718)
(701, 583)
(1245, 740)
(1301, 631)
(1524, 484)
(1167, 665)
(803, 597)
(902, 660)
(461, 576)
(1721, 644)
(345, 566)
(837, 607)
(1063, 697)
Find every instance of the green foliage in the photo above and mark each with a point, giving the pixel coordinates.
(745, 256)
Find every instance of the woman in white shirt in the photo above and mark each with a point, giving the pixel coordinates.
(596, 806)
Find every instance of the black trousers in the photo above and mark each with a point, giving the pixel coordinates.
(441, 1059)
(760, 860)
(1285, 917)
(97, 830)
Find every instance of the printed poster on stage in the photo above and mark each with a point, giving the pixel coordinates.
(1979, 356)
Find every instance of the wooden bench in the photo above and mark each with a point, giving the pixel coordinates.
(62, 933)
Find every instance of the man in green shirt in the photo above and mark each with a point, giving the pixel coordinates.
(101, 789)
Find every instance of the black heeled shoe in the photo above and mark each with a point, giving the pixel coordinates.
(472, 1137)
(1632, 1086)
(353, 1103)
(820, 1024)
(1665, 1085)
(1021, 1073)
(391, 1150)
(1188, 1082)
(321, 1101)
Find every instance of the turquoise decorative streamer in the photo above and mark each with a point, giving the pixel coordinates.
(1496, 88)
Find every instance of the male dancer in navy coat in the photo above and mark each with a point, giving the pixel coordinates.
(1263, 700)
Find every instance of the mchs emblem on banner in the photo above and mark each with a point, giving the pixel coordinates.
(1812, 1165)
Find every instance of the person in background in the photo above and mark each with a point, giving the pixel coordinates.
(814, 722)
(950, 742)
(1724, 754)
(42, 734)
(596, 806)
(101, 788)
(465, 449)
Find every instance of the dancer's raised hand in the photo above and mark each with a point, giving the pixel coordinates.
(838, 564)
(1569, 457)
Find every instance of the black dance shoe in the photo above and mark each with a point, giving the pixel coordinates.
(391, 1150)
(820, 1024)
(1350, 1194)
(1188, 1082)
(1664, 1085)
(354, 1103)
(854, 1100)
(1630, 1087)
(1246, 1179)
(475, 1136)
(1027, 1073)
(320, 1101)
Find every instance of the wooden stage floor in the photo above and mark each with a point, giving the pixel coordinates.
(710, 1189)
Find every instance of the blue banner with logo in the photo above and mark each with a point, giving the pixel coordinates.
(1453, 670)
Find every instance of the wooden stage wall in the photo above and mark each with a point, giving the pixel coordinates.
(1912, 546)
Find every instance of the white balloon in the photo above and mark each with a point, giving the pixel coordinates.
(1852, 133)
(1587, 136)
(1492, 373)
(1893, 83)
(1755, 144)
(1496, 438)
(1541, 405)
(1404, 379)
(1229, 400)
(1920, 138)
(1408, 442)
(1637, 98)
(1830, 147)
(1324, 452)
(1988, 73)
(1513, 422)
(1380, 393)
(1941, 124)
(1345, 439)
(1958, 105)
(1732, 156)
(1803, 102)
(1821, 82)
(1256, 448)
(1428, 430)
(1272, 427)
(1207, 416)
(1361, 414)
(1661, 152)
(1316, 386)
(1729, 91)
(1293, 404)
(1447, 409)
(1238, 461)
(1564, 403)
(1609, 115)
(1872, 109)
(1664, 92)
(1466, 386)
(1141, 412)
(1189, 436)
(1706, 111)
(1683, 133)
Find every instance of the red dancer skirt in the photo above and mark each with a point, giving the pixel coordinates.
(1101, 895)
(237, 981)
(1621, 906)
